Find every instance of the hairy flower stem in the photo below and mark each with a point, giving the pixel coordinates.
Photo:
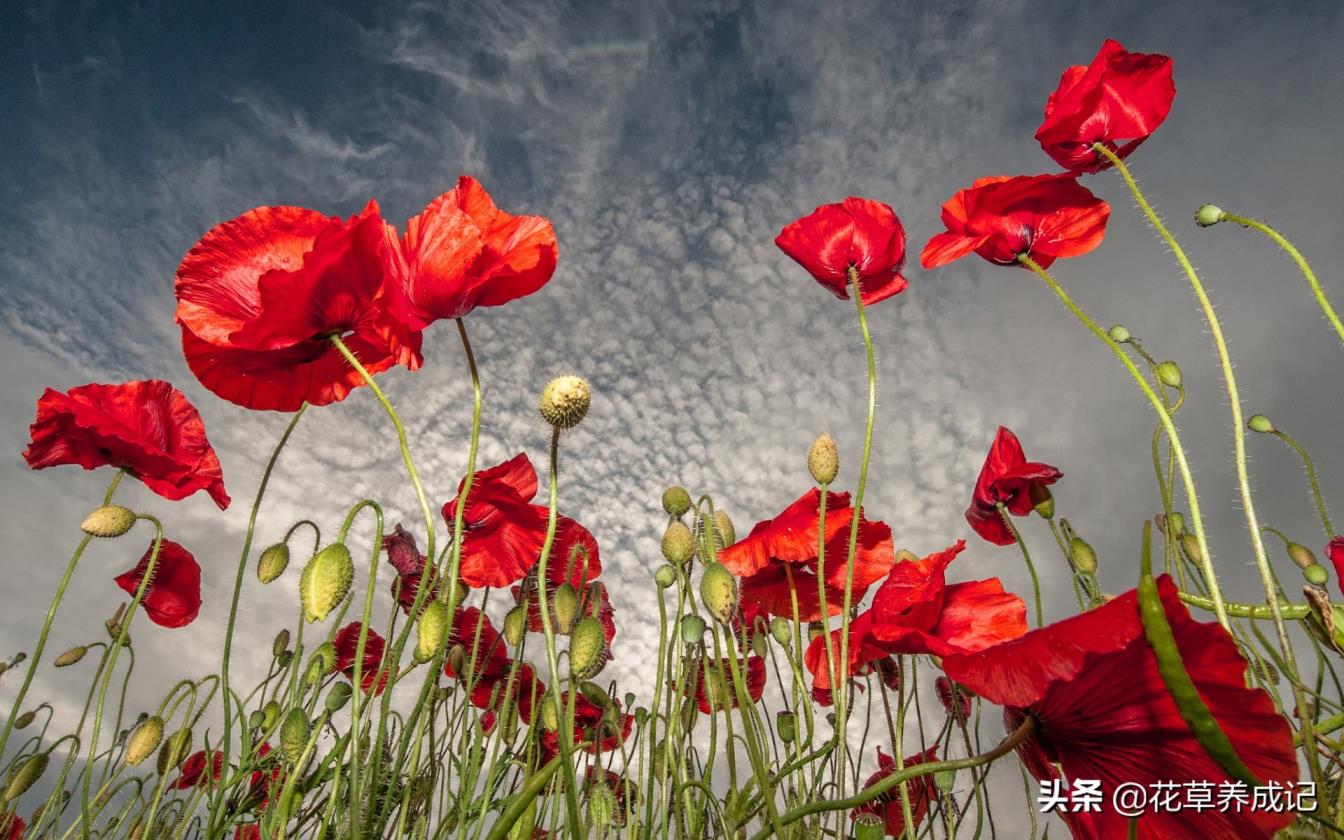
(1187, 478)
(1311, 479)
(1026, 556)
(1238, 444)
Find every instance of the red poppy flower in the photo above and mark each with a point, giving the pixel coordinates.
(1117, 100)
(1334, 551)
(193, 770)
(173, 597)
(921, 791)
(1006, 478)
(574, 560)
(956, 699)
(264, 784)
(714, 687)
(463, 252)
(405, 557)
(1046, 217)
(777, 561)
(525, 691)
(502, 531)
(1103, 712)
(605, 729)
(150, 429)
(485, 656)
(260, 295)
(858, 233)
(12, 826)
(251, 831)
(346, 643)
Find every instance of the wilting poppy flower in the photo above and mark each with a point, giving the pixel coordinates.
(1117, 100)
(956, 699)
(921, 791)
(150, 429)
(502, 531)
(260, 296)
(714, 688)
(1046, 217)
(173, 597)
(858, 233)
(405, 557)
(193, 770)
(1334, 551)
(1007, 477)
(1102, 712)
(777, 561)
(346, 643)
(463, 252)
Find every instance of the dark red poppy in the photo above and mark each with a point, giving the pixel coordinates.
(502, 531)
(485, 656)
(150, 429)
(604, 729)
(173, 597)
(12, 826)
(714, 688)
(858, 233)
(405, 557)
(1046, 217)
(1103, 712)
(251, 831)
(463, 252)
(523, 690)
(264, 783)
(575, 560)
(346, 643)
(1118, 100)
(921, 791)
(777, 561)
(956, 699)
(1334, 552)
(260, 296)
(1007, 477)
(193, 770)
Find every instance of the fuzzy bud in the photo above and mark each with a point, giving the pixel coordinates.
(781, 631)
(294, 732)
(601, 807)
(270, 715)
(71, 656)
(431, 630)
(1301, 555)
(457, 658)
(676, 500)
(272, 562)
(594, 693)
(108, 521)
(550, 713)
(718, 592)
(823, 459)
(944, 780)
(665, 576)
(175, 749)
(280, 644)
(1191, 546)
(1084, 558)
(25, 776)
(1208, 215)
(144, 740)
(565, 605)
(1260, 423)
(25, 720)
(723, 529)
(326, 581)
(1316, 574)
(515, 625)
(692, 629)
(564, 401)
(1169, 374)
(1118, 333)
(337, 696)
(678, 544)
(587, 648)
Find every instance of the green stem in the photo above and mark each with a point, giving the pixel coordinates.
(1287, 610)
(1026, 555)
(1311, 479)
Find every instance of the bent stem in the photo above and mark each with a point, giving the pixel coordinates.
(1311, 479)
(1026, 555)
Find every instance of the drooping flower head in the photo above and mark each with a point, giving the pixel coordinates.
(1006, 478)
(502, 531)
(173, 597)
(150, 429)
(921, 790)
(857, 233)
(1117, 100)
(1334, 552)
(346, 643)
(1046, 217)
(260, 296)
(405, 557)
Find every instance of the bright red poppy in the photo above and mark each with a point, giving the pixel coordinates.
(714, 688)
(260, 296)
(1334, 552)
(574, 560)
(150, 429)
(1007, 478)
(1046, 217)
(1117, 100)
(921, 791)
(463, 252)
(193, 770)
(1103, 712)
(485, 656)
(346, 643)
(502, 531)
(603, 728)
(173, 597)
(777, 561)
(857, 233)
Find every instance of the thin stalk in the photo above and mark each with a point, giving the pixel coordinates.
(1026, 555)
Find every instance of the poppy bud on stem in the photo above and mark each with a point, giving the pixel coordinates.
(823, 459)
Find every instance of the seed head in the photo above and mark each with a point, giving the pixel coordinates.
(564, 401)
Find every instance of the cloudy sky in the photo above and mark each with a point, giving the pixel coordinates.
(668, 143)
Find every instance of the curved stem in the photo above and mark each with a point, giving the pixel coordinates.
(1311, 479)
(1302, 264)
(1026, 555)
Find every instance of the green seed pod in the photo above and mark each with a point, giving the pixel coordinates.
(281, 644)
(594, 694)
(869, 826)
(1169, 374)
(270, 715)
(515, 625)
(25, 776)
(1301, 555)
(565, 401)
(1316, 575)
(294, 733)
(678, 544)
(431, 631)
(272, 562)
(25, 720)
(823, 459)
(692, 629)
(1084, 558)
(781, 630)
(144, 740)
(337, 696)
(718, 592)
(325, 581)
(665, 576)
(1208, 215)
(786, 724)
(676, 500)
(587, 648)
(1260, 423)
(723, 529)
(550, 713)
(175, 749)
(1118, 333)
(526, 825)
(565, 605)
(108, 521)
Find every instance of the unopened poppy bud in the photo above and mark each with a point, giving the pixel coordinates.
(272, 562)
(564, 401)
(108, 521)
(430, 631)
(1316, 574)
(641, 715)
(723, 529)
(630, 699)
(113, 627)
(25, 720)
(550, 713)
(144, 740)
(823, 459)
(780, 630)
(565, 605)
(1118, 333)
(337, 696)
(786, 724)
(1169, 374)
(718, 592)
(515, 625)
(175, 749)
(1260, 423)
(20, 657)
(601, 807)
(4, 666)
(692, 629)
(587, 648)
(1042, 500)
(294, 732)
(1176, 522)
(1191, 546)
(324, 657)
(1084, 558)
(280, 644)
(1208, 215)
(869, 826)
(676, 500)
(270, 714)
(256, 719)
(594, 693)
(1301, 555)
(71, 656)
(944, 780)
(325, 581)
(665, 576)
(25, 776)
(906, 556)
(457, 658)
(758, 644)
(1265, 670)
(678, 544)
(690, 714)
